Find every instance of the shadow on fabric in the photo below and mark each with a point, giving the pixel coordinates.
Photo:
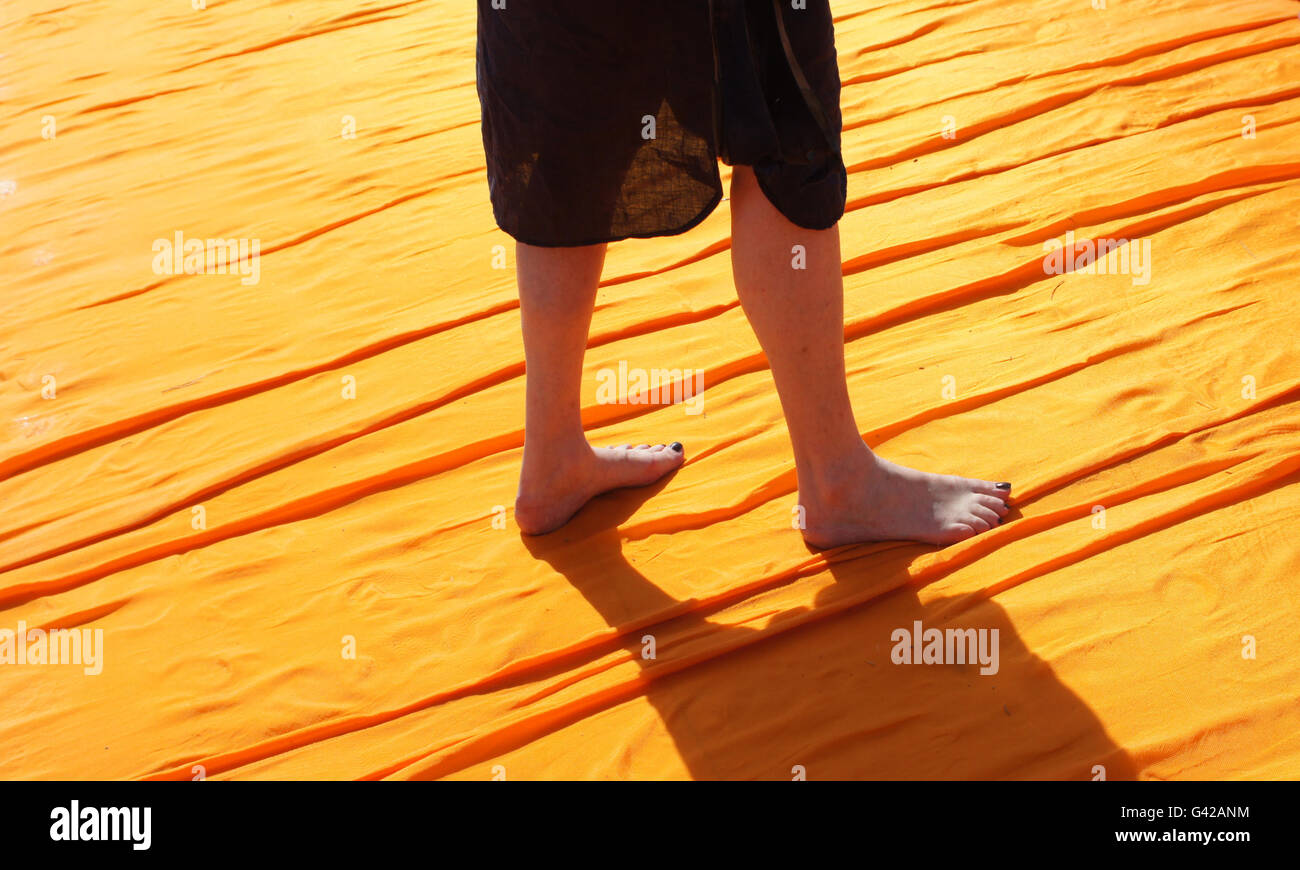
(815, 691)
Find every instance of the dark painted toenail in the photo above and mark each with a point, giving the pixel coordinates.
(677, 446)
(1003, 485)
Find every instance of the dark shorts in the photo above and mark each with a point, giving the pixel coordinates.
(605, 119)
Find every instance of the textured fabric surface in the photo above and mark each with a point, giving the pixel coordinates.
(604, 121)
(1172, 405)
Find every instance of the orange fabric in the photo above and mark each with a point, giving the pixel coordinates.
(1170, 404)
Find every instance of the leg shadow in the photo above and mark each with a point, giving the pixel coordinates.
(816, 688)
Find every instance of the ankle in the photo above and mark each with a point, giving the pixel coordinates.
(829, 479)
(544, 457)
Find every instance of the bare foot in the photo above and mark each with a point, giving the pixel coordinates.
(873, 499)
(550, 494)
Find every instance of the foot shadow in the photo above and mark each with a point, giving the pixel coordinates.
(816, 688)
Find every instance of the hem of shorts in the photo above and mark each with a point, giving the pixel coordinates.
(677, 231)
(816, 227)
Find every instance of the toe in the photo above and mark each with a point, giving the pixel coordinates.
(955, 532)
(993, 503)
(658, 456)
(988, 487)
(987, 514)
(978, 523)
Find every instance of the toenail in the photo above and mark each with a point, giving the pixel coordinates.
(1003, 485)
(676, 446)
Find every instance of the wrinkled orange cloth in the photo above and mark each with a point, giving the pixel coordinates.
(292, 582)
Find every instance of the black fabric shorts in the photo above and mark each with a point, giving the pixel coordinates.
(605, 119)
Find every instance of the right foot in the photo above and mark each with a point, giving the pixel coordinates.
(549, 496)
(873, 499)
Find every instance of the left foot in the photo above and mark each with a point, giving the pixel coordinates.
(873, 499)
